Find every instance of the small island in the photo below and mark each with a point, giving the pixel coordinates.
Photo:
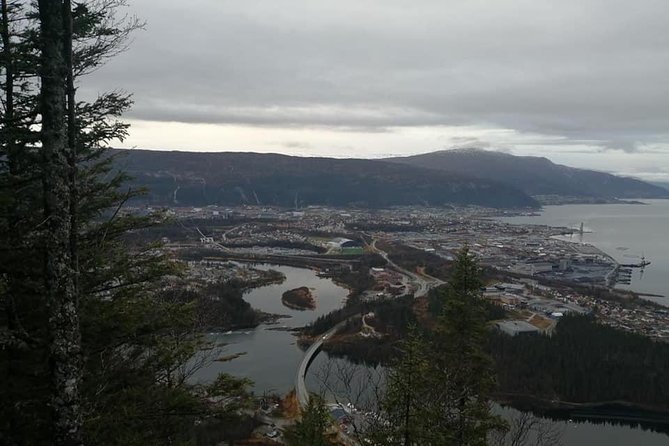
(299, 299)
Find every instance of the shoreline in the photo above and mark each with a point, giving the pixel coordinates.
(622, 412)
(300, 299)
(610, 277)
(657, 294)
(265, 319)
(343, 284)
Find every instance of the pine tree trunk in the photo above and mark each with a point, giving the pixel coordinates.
(61, 298)
(71, 140)
(9, 68)
(8, 141)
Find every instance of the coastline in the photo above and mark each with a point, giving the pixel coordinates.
(615, 225)
(611, 276)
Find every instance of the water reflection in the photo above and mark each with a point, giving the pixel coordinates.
(270, 355)
(271, 359)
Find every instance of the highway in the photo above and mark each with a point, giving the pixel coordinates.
(218, 245)
(424, 285)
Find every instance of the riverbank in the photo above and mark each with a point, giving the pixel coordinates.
(272, 351)
(621, 412)
(273, 355)
(351, 272)
(528, 368)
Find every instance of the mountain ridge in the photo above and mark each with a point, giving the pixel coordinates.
(662, 184)
(539, 177)
(236, 178)
(447, 177)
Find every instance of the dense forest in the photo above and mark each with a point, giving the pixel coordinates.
(392, 318)
(218, 306)
(584, 362)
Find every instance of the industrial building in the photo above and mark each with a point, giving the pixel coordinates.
(517, 327)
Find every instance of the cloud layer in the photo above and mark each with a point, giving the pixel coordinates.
(590, 73)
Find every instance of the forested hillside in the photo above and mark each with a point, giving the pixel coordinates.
(535, 176)
(584, 362)
(227, 178)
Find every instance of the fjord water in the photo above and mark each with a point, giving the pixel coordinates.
(626, 232)
(272, 357)
(576, 433)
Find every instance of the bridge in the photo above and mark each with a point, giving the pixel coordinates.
(424, 285)
(300, 387)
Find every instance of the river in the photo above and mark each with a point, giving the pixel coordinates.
(626, 232)
(272, 357)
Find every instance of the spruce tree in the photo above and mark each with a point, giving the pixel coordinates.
(462, 376)
(127, 381)
(61, 299)
(312, 427)
(403, 414)
(438, 392)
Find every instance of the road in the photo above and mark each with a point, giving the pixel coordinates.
(300, 387)
(424, 285)
(218, 245)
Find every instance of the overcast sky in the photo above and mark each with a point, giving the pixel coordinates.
(583, 82)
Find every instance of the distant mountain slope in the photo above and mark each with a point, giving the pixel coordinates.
(232, 178)
(661, 184)
(535, 176)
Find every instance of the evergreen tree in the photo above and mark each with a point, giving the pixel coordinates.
(464, 372)
(312, 428)
(568, 364)
(462, 376)
(61, 298)
(91, 348)
(438, 393)
(403, 414)
(20, 213)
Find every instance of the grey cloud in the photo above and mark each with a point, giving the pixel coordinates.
(297, 145)
(624, 145)
(592, 70)
(648, 174)
(465, 142)
(472, 142)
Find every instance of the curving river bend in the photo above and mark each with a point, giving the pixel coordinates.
(271, 357)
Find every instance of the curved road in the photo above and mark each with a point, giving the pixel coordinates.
(423, 285)
(300, 387)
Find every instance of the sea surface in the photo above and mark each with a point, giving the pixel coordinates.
(626, 232)
(272, 358)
